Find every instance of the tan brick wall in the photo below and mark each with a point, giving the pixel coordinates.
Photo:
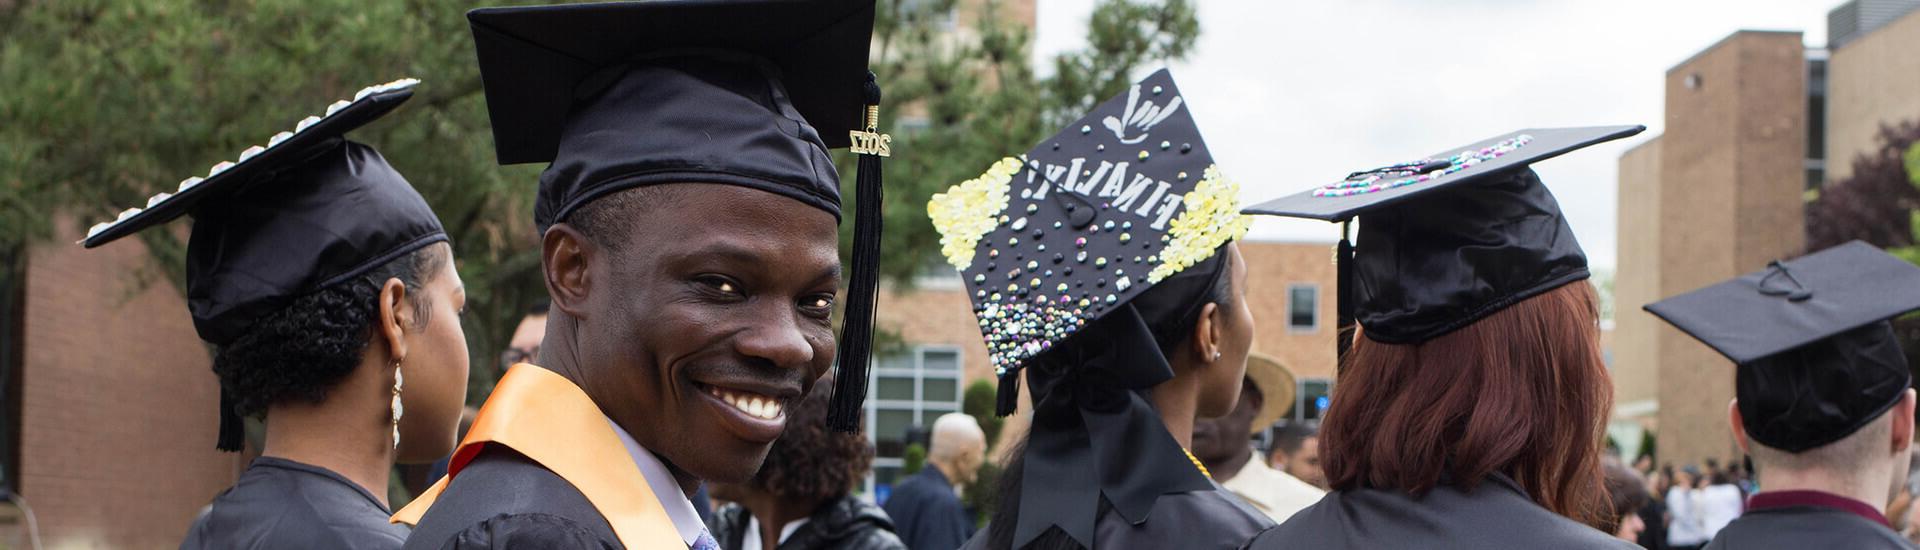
(1871, 81)
(119, 408)
(1729, 201)
(1636, 282)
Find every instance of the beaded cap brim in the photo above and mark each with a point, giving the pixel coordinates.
(342, 116)
(1341, 199)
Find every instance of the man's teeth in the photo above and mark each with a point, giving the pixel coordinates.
(755, 405)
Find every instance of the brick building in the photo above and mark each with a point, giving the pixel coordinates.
(1752, 123)
(112, 414)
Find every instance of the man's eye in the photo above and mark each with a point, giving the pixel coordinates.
(719, 284)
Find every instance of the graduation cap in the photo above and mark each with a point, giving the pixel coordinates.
(743, 92)
(1123, 198)
(1450, 238)
(1816, 355)
(304, 212)
(1069, 253)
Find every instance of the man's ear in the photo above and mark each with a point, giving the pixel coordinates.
(1206, 333)
(565, 256)
(395, 310)
(1739, 426)
(1903, 423)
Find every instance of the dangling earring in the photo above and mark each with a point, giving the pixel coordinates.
(398, 409)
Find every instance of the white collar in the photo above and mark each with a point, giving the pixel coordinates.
(751, 539)
(665, 488)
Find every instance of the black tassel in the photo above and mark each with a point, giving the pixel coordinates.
(1007, 398)
(863, 286)
(232, 433)
(1343, 296)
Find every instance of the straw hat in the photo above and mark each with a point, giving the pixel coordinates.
(1276, 387)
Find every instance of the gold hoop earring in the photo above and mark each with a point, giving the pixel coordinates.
(398, 408)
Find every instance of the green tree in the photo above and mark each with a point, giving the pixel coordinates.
(913, 459)
(978, 403)
(108, 102)
(958, 101)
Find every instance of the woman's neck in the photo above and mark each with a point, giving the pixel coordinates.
(353, 443)
(773, 514)
(1177, 400)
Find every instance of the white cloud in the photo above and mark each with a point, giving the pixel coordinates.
(1293, 94)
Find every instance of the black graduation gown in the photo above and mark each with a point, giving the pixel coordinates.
(504, 500)
(282, 504)
(1195, 520)
(926, 513)
(1497, 514)
(1800, 527)
(846, 523)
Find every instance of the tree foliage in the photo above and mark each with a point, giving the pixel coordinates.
(108, 102)
(961, 93)
(1874, 204)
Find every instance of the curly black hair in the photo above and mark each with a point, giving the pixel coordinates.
(811, 462)
(307, 347)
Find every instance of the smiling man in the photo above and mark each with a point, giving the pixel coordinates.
(690, 220)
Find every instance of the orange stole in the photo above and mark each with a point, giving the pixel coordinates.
(544, 416)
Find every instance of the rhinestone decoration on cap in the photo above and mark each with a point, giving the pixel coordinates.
(1419, 171)
(1053, 220)
(967, 211)
(251, 152)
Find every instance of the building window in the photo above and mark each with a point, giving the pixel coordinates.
(909, 390)
(1310, 400)
(1303, 307)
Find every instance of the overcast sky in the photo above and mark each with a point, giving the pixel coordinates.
(1292, 95)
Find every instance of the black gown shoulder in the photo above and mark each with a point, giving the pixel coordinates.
(1806, 527)
(279, 503)
(1194, 520)
(503, 500)
(1495, 514)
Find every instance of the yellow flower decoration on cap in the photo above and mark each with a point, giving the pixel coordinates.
(1211, 218)
(967, 212)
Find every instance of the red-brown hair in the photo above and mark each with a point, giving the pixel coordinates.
(1522, 392)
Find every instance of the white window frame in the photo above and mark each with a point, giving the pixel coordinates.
(919, 405)
(1315, 327)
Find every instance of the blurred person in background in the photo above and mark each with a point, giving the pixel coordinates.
(1296, 451)
(1685, 529)
(802, 497)
(926, 506)
(1223, 443)
(1626, 496)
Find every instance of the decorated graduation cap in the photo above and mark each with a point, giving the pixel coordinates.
(1070, 253)
(741, 92)
(1816, 356)
(1450, 238)
(304, 212)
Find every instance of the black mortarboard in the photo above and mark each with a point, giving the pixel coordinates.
(743, 92)
(1073, 254)
(1448, 239)
(1817, 358)
(306, 211)
(1086, 221)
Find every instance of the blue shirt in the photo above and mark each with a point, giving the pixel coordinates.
(927, 514)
